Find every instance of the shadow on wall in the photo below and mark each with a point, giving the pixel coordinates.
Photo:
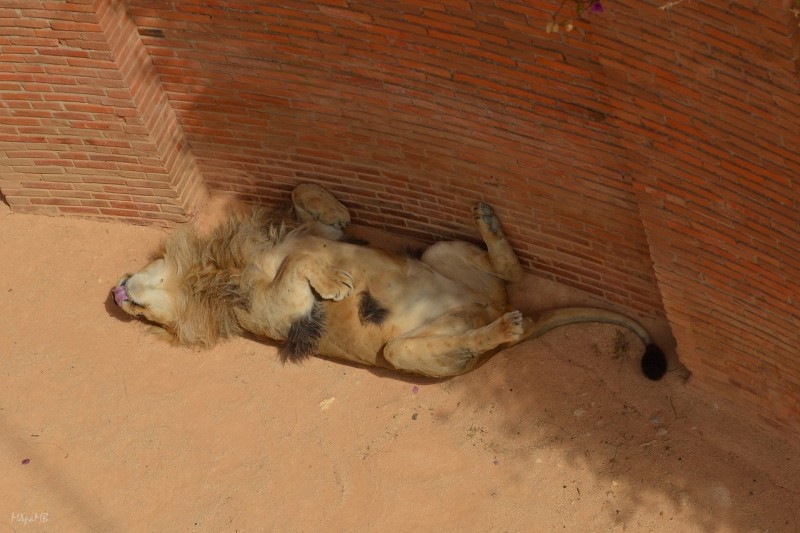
(641, 454)
(3, 200)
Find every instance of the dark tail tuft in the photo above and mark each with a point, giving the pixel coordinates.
(654, 362)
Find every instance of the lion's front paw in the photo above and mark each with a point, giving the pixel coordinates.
(334, 214)
(314, 203)
(334, 284)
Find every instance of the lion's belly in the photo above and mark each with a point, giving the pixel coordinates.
(424, 297)
(347, 338)
(413, 294)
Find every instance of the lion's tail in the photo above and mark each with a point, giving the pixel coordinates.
(654, 362)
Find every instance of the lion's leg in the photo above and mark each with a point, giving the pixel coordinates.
(483, 270)
(501, 256)
(469, 265)
(441, 349)
(318, 208)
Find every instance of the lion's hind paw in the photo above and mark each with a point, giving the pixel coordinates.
(484, 216)
(512, 325)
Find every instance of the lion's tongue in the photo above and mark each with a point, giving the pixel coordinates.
(119, 294)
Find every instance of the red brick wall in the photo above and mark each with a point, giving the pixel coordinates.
(77, 102)
(646, 157)
(411, 114)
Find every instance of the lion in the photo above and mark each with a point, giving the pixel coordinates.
(289, 275)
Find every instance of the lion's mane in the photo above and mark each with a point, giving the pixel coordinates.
(210, 270)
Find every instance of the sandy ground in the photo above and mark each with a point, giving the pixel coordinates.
(103, 427)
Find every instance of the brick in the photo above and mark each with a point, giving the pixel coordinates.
(348, 14)
(79, 210)
(55, 201)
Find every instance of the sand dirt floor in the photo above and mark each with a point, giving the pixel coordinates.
(104, 427)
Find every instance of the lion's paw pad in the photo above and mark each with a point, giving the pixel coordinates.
(512, 324)
(314, 202)
(336, 216)
(484, 215)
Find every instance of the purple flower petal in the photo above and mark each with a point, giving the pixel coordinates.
(414, 389)
(26, 461)
(596, 7)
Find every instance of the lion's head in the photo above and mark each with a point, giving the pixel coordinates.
(194, 285)
(152, 293)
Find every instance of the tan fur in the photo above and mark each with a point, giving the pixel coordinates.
(274, 273)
